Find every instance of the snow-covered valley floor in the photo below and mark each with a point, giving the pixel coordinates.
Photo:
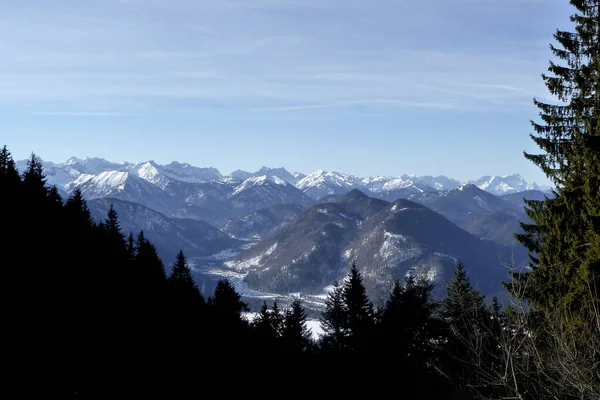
(209, 270)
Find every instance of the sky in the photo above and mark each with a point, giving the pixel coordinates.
(377, 87)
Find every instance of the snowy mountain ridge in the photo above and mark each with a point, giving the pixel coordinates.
(75, 172)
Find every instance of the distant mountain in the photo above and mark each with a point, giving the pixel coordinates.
(240, 175)
(270, 173)
(387, 240)
(188, 173)
(305, 254)
(500, 185)
(391, 189)
(498, 226)
(91, 165)
(273, 173)
(261, 223)
(128, 187)
(322, 183)
(440, 183)
(261, 192)
(169, 235)
(463, 203)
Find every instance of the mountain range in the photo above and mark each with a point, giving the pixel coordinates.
(278, 231)
(387, 240)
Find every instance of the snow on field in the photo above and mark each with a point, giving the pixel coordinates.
(314, 325)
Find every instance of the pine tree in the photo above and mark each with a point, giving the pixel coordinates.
(360, 313)
(334, 319)
(277, 319)
(462, 301)
(564, 238)
(226, 314)
(34, 179)
(115, 240)
(131, 248)
(150, 268)
(408, 324)
(9, 176)
(181, 282)
(262, 322)
(296, 337)
(78, 212)
(468, 334)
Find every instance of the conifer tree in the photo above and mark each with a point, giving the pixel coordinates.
(277, 319)
(295, 335)
(150, 268)
(131, 248)
(360, 313)
(468, 334)
(564, 238)
(334, 319)
(227, 304)
(181, 282)
(9, 176)
(77, 211)
(408, 324)
(462, 300)
(262, 322)
(34, 179)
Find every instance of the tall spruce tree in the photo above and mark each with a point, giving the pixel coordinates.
(360, 313)
(277, 319)
(228, 306)
(181, 282)
(334, 320)
(408, 324)
(9, 176)
(263, 325)
(295, 336)
(564, 238)
(34, 179)
(468, 334)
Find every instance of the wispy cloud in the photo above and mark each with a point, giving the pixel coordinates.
(266, 55)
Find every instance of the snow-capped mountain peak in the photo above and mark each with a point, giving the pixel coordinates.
(322, 183)
(501, 185)
(109, 180)
(90, 165)
(185, 172)
(150, 172)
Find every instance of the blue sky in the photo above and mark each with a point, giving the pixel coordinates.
(365, 87)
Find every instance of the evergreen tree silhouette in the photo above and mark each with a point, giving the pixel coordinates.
(266, 333)
(334, 320)
(277, 318)
(360, 313)
(226, 314)
(295, 336)
(181, 283)
(409, 326)
(34, 180)
(10, 181)
(467, 318)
